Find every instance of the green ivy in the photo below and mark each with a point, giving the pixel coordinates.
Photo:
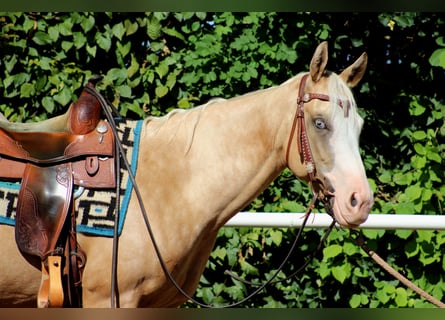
(154, 62)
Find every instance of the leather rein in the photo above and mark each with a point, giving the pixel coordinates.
(307, 159)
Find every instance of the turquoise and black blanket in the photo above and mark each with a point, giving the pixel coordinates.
(95, 208)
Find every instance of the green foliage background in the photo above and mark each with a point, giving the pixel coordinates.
(154, 62)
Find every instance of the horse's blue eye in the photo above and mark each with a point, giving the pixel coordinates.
(319, 123)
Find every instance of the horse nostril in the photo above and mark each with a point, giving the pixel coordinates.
(354, 200)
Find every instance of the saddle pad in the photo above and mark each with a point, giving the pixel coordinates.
(95, 208)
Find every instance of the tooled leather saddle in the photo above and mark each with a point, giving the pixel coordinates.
(51, 163)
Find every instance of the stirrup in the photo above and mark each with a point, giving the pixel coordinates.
(51, 290)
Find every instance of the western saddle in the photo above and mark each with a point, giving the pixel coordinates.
(51, 158)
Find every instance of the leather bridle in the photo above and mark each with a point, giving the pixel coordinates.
(304, 150)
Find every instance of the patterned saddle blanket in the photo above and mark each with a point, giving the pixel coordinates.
(95, 207)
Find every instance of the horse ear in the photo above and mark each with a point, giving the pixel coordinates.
(354, 73)
(319, 61)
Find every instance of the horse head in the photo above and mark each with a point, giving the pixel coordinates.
(326, 130)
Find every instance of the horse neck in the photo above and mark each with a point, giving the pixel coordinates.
(222, 156)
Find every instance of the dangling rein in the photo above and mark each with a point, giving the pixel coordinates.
(360, 241)
(304, 150)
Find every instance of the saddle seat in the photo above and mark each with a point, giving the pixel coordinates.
(51, 158)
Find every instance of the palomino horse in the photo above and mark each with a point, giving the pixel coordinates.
(198, 168)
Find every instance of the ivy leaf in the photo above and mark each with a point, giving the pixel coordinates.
(324, 270)
(332, 251)
(385, 176)
(9, 64)
(402, 178)
(418, 162)
(413, 192)
(419, 135)
(53, 33)
(184, 104)
(420, 149)
(174, 33)
(207, 295)
(91, 50)
(66, 27)
(103, 42)
(130, 27)
(161, 91)
(355, 300)
(219, 253)
(63, 97)
(67, 45)
(437, 59)
(171, 80)
(156, 46)
(45, 63)
(201, 15)
(123, 49)
(373, 233)
(48, 104)
(416, 109)
(350, 248)
(133, 68)
(162, 69)
(124, 91)
(342, 272)
(154, 28)
(87, 23)
(27, 90)
(403, 234)
(434, 156)
(42, 38)
(248, 268)
(425, 235)
(382, 294)
(117, 75)
(235, 292)
(118, 30)
(28, 24)
(276, 236)
(79, 39)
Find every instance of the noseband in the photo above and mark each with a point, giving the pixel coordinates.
(299, 126)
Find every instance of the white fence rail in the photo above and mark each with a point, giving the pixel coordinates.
(323, 220)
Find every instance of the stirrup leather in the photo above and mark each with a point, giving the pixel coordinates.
(51, 290)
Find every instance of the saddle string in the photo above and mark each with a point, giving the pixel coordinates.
(114, 296)
(114, 287)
